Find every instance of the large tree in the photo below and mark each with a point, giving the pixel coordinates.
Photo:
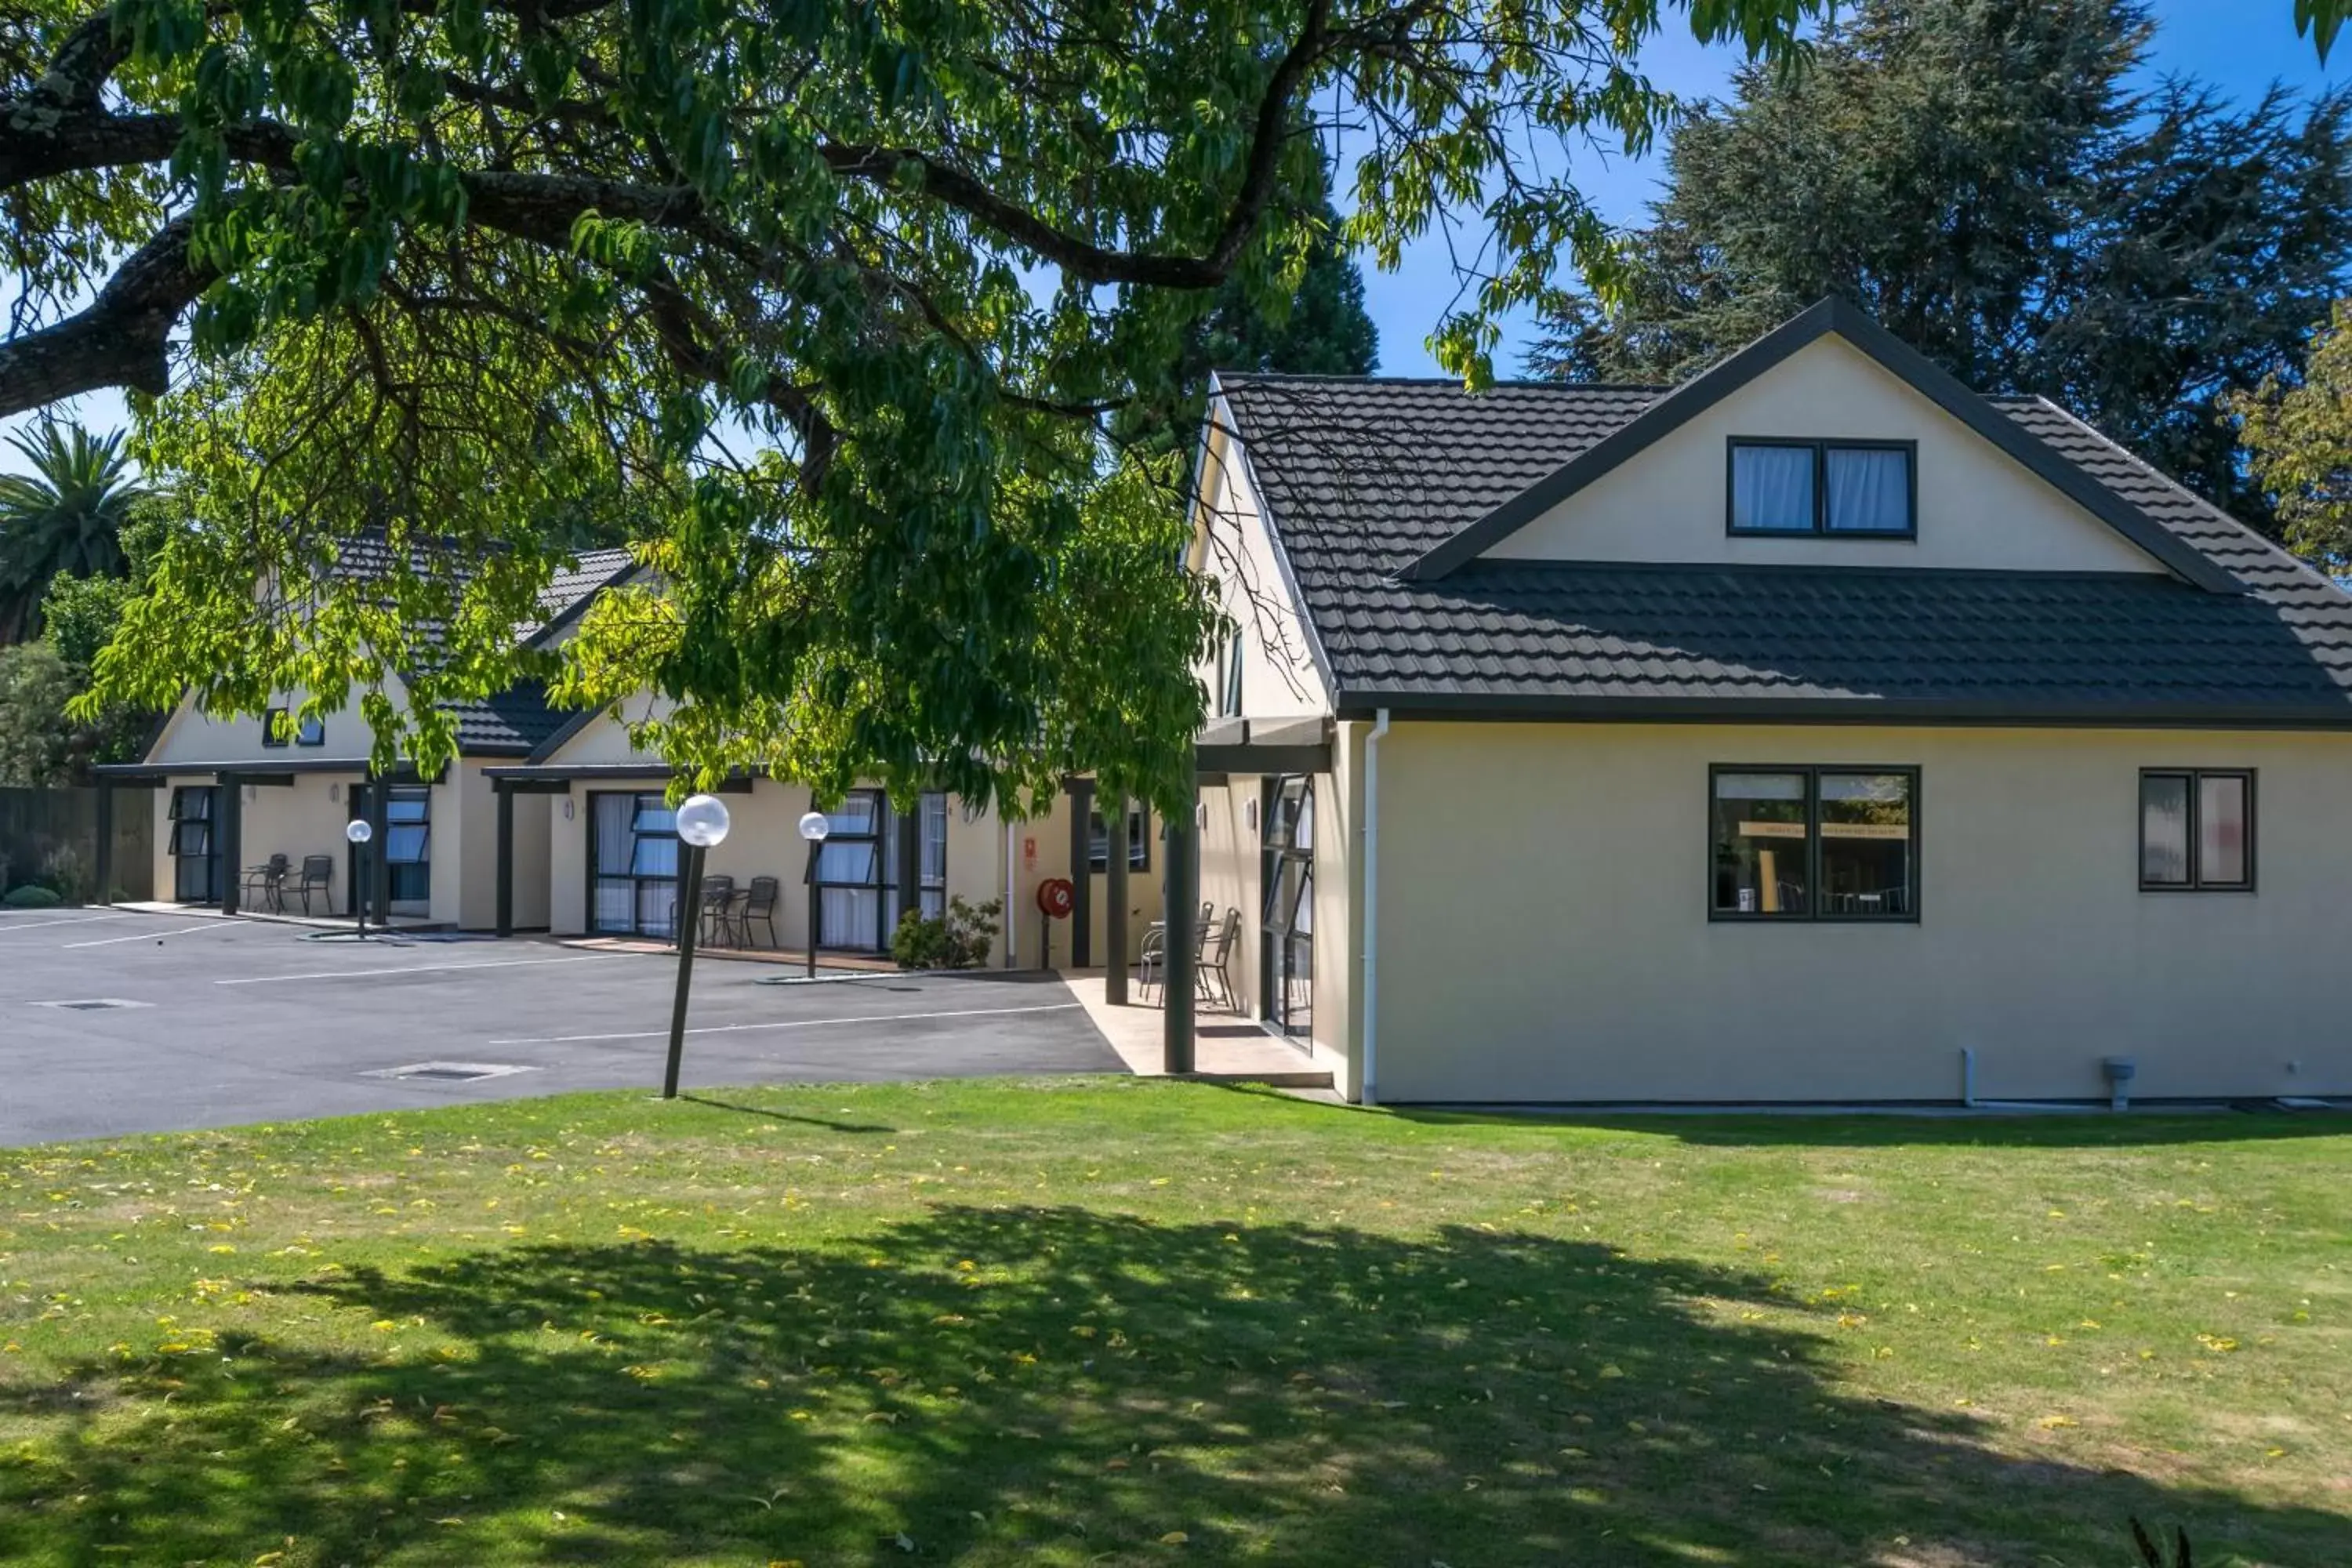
(1991, 180)
(456, 270)
(2297, 435)
(64, 514)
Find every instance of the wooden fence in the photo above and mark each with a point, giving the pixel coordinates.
(51, 835)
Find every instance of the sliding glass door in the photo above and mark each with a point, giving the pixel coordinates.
(407, 848)
(631, 865)
(1287, 949)
(852, 877)
(932, 880)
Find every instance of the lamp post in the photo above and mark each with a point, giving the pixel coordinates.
(701, 823)
(814, 826)
(357, 833)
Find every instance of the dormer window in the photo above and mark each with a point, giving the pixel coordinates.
(1858, 488)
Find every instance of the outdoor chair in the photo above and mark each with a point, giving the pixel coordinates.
(759, 903)
(1212, 971)
(1212, 945)
(317, 874)
(717, 892)
(1155, 941)
(268, 880)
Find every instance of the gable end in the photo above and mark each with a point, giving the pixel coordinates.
(1832, 316)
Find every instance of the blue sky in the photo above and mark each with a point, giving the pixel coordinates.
(2238, 45)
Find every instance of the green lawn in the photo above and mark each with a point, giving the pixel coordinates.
(1135, 1323)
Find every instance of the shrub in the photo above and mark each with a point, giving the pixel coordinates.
(62, 874)
(957, 939)
(31, 896)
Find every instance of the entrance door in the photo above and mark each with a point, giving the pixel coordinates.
(631, 865)
(853, 881)
(1288, 944)
(407, 849)
(195, 849)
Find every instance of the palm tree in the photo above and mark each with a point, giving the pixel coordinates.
(66, 515)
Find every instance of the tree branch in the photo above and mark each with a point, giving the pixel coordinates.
(123, 337)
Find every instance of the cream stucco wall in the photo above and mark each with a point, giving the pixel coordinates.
(195, 737)
(1544, 931)
(533, 816)
(1978, 506)
(305, 817)
(308, 816)
(1232, 876)
(763, 841)
(1231, 544)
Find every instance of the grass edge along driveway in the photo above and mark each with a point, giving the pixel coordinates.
(1121, 1321)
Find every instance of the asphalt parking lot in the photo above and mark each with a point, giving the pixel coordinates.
(219, 1022)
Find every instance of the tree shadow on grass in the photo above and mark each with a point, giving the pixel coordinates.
(1058, 1385)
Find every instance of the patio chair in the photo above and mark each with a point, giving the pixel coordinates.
(1155, 941)
(1152, 962)
(1211, 970)
(759, 904)
(717, 892)
(317, 873)
(267, 880)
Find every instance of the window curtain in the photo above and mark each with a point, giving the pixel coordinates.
(1773, 489)
(2164, 829)
(1870, 489)
(932, 883)
(616, 893)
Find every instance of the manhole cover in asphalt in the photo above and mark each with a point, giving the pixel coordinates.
(94, 1004)
(449, 1072)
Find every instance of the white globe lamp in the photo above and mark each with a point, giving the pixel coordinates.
(814, 826)
(357, 832)
(703, 822)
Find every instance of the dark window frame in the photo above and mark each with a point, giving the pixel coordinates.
(879, 883)
(1821, 446)
(311, 731)
(272, 738)
(638, 801)
(1139, 839)
(1229, 675)
(1811, 914)
(2197, 777)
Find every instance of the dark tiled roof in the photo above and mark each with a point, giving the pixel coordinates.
(574, 586)
(514, 722)
(1360, 478)
(517, 720)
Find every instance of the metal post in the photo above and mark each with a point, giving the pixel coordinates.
(1181, 918)
(816, 845)
(506, 856)
(380, 852)
(232, 844)
(105, 889)
(1082, 876)
(690, 918)
(1115, 906)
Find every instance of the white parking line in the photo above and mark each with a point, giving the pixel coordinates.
(157, 935)
(407, 968)
(9, 925)
(779, 1024)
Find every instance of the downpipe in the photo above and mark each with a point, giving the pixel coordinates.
(1371, 862)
